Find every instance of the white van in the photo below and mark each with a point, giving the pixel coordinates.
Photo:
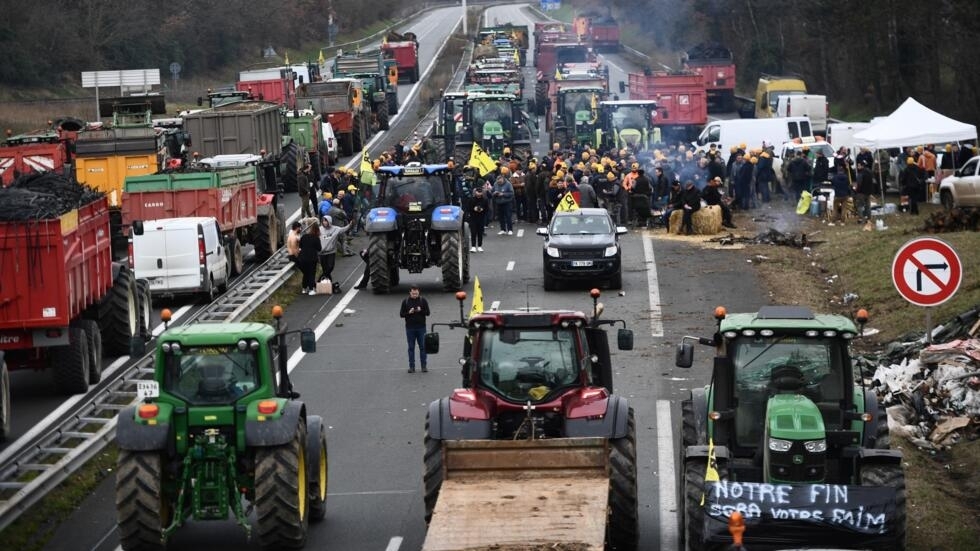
(753, 133)
(841, 134)
(805, 105)
(180, 256)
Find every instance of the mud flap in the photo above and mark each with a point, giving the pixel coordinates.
(133, 436)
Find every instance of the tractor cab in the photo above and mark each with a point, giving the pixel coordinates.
(627, 123)
(414, 189)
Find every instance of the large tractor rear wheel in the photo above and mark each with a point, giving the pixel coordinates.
(281, 492)
(317, 466)
(94, 336)
(4, 402)
(142, 509)
(281, 219)
(890, 476)
(119, 313)
(693, 511)
(266, 236)
(415, 72)
(392, 100)
(145, 299)
(439, 150)
(289, 159)
(689, 427)
(451, 260)
(378, 259)
(71, 363)
(432, 477)
(382, 116)
(622, 531)
(358, 133)
(883, 438)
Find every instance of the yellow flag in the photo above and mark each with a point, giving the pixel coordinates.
(711, 474)
(287, 58)
(481, 160)
(321, 60)
(367, 170)
(557, 74)
(477, 298)
(567, 203)
(517, 57)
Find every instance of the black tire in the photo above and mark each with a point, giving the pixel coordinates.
(451, 261)
(693, 511)
(145, 299)
(317, 467)
(4, 402)
(383, 117)
(415, 73)
(892, 476)
(432, 477)
(281, 504)
(461, 154)
(549, 282)
(883, 439)
(946, 198)
(119, 314)
(142, 508)
(357, 136)
(266, 237)
(561, 136)
(289, 161)
(70, 363)
(378, 259)
(392, 104)
(439, 150)
(346, 141)
(616, 281)
(94, 336)
(281, 220)
(689, 427)
(236, 259)
(623, 529)
(466, 255)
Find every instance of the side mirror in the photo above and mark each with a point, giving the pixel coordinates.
(307, 341)
(137, 346)
(685, 355)
(624, 339)
(542, 232)
(622, 87)
(137, 227)
(431, 343)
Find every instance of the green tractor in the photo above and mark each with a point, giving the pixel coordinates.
(373, 70)
(627, 124)
(217, 427)
(787, 435)
(493, 119)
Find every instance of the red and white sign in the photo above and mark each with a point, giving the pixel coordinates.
(927, 271)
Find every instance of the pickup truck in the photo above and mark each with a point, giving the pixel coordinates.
(962, 189)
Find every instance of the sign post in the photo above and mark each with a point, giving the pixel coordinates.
(927, 272)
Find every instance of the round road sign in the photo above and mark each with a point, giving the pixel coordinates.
(927, 271)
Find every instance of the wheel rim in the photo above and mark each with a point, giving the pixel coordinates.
(323, 474)
(133, 311)
(301, 486)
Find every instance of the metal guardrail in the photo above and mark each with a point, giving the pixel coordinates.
(36, 467)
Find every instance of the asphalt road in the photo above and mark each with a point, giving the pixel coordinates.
(375, 410)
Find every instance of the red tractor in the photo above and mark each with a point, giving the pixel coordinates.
(541, 379)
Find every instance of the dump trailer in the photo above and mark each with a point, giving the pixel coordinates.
(715, 63)
(535, 448)
(44, 150)
(493, 492)
(340, 101)
(219, 432)
(64, 301)
(369, 68)
(404, 49)
(787, 434)
(226, 188)
(277, 84)
(682, 109)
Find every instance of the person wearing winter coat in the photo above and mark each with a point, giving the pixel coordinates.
(477, 208)
(503, 202)
(309, 249)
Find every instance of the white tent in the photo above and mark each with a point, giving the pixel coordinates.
(914, 124)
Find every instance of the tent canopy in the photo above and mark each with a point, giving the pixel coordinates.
(914, 124)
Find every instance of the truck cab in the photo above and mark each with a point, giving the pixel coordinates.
(770, 88)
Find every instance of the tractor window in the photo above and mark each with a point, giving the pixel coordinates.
(211, 375)
(414, 194)
(527, 364)
(631, 116)
(496, 112)
(816, 362)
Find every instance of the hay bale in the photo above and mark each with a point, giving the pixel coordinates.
(706, 221)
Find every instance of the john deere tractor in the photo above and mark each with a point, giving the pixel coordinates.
(494, 119)
(416, 223)
(218, 432)
(536, 412)
(787, 435)
(627, 124)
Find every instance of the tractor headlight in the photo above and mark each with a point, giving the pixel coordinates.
(552, 251)
(242, 345)
(815, 446)
(169, 347)
(780, 445)
(611, 250)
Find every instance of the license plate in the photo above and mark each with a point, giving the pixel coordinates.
(581, 263)
(156, 282)
(147, 389)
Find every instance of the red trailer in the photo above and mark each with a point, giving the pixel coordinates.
(404, 49)
(45, 150)
(277, 85)
(63, 298)
(604, 33)
(548, 57)
(682, 109)
(716, 66)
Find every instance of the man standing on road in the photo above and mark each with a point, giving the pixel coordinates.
(303, 189)
(415, 309)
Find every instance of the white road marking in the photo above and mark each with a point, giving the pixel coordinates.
(510, 266)
(394, 544)
(520, 232)
(666, 476)
(495, 305)
(173, 317)
(656, 315)
(298, 354)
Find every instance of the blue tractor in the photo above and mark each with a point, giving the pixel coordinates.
(416, 223)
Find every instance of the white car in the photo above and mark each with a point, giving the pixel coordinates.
(962, 189)
(788, 150)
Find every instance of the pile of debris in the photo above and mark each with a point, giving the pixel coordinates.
(769, 237)
(956, 219)
(931, 392)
